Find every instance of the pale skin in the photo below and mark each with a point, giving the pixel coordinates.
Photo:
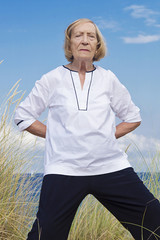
(83, 47)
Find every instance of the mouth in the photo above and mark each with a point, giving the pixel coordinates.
(85, 50)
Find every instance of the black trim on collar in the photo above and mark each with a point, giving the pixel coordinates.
(77, 71)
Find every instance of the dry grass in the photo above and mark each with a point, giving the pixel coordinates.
(16, 207)
(94, 222)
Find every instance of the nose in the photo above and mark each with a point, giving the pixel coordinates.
(85, 39)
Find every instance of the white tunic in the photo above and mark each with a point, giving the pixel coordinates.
(80, 138)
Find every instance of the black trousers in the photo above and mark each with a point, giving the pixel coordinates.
(121, 192)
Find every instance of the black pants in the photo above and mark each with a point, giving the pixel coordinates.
(121, 192)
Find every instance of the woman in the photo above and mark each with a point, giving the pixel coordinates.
(81, 155)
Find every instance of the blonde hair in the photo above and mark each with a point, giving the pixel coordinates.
(101, 45)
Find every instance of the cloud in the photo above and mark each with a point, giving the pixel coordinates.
(143, 153)
(140, 150)
(140, 11)
(140, 141)
(106, 24)
(23, 147)
(141, 39)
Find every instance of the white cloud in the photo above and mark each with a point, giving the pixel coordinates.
(106, 24)
(143, 153)
(142, 39)
(140, 11)
(28, 149)
(141, 150)
(142, 142)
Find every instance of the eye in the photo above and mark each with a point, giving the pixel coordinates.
(92, 36)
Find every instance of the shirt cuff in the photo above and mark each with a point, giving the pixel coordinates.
(132, 119)
(23, 124)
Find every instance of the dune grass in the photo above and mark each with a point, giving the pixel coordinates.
(93, 221)
(18, 206)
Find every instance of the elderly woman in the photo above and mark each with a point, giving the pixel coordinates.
(81, 154)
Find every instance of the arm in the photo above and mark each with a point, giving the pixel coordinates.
(123, 128)
(124, 108)
(37, 128)
(30, 109)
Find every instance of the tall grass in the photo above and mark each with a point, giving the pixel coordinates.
(94, 222)
(17, 205)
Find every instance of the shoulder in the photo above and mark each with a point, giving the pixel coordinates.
(51, 78)
(103, 70)
(54, 72)
(107, 73)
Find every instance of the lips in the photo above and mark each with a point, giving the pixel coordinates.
(86, 50)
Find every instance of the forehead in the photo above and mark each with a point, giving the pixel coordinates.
(84, 27)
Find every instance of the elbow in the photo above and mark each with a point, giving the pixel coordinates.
(138, 124)
(134, 125)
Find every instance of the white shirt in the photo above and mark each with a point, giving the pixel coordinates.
(80, 137)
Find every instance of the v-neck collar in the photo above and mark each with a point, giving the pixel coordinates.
(82, 95)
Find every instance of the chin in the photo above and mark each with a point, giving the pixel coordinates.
(85, 58)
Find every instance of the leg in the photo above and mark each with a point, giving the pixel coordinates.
(126, 197)
(59, 200)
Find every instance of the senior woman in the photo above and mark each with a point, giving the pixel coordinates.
(81, 154)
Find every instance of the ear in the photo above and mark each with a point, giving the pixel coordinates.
(69, 47)
(98, 45)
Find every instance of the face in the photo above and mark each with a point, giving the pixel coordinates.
(83, 41)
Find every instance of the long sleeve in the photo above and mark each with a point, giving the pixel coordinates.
(121, 102)
(34, 104)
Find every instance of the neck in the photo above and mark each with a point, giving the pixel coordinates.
(81, 66)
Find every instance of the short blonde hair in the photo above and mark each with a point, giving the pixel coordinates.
(101, 45)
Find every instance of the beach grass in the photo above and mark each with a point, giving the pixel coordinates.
(93, 221)
(17, 206)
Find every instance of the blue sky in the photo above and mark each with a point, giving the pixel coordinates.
(32, 37)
